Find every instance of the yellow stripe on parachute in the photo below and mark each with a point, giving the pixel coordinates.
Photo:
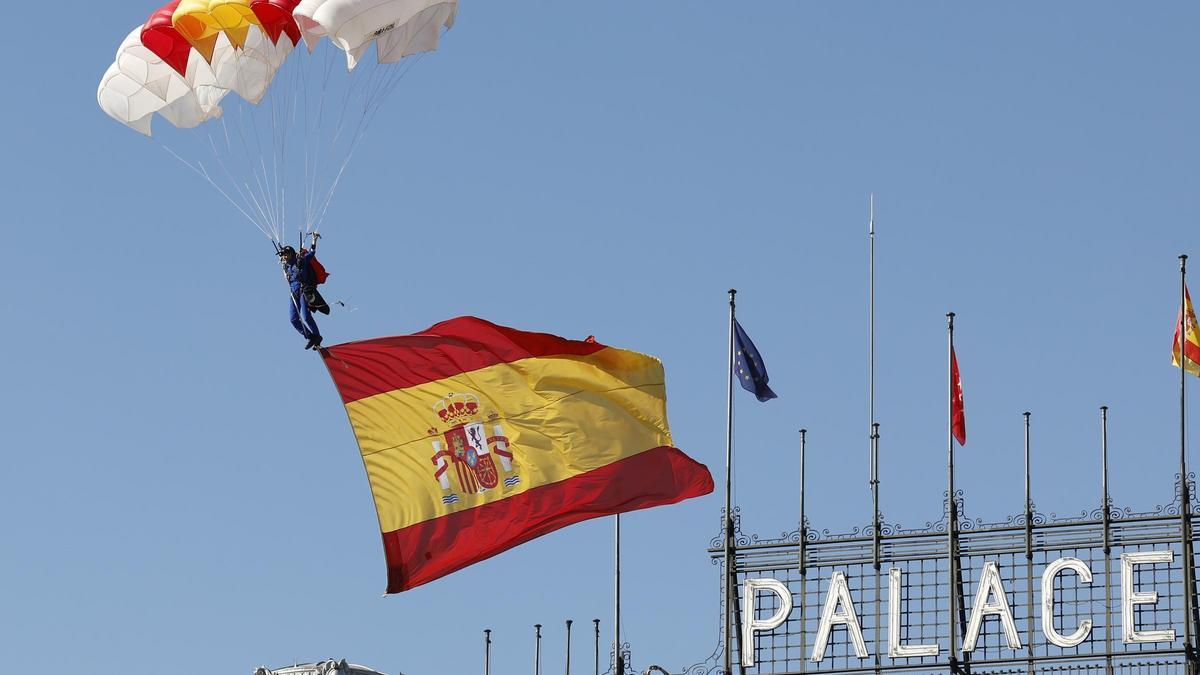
(201, 22)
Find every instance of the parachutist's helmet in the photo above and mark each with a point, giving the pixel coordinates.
(287, 252)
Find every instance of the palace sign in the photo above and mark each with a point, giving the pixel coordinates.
(1095, 593)
(991, 600)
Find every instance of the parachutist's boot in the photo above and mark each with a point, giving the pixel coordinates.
(316, 343)
(313, 340)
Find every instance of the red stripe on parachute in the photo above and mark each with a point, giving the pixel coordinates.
(276, 18)
(160, 37)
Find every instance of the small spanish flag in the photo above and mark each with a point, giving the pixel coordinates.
(1191, 345)
(477, 438)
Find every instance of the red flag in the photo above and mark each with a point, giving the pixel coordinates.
(958, 417)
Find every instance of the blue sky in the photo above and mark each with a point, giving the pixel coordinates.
(181, 482)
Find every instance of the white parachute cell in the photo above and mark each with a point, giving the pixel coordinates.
(139, 84)
(397, 28)
(248, 70)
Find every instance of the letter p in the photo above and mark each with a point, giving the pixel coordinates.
(750, 624)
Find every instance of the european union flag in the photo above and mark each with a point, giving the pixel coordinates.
(748, 366)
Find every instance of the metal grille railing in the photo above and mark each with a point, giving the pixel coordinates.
(922, 556)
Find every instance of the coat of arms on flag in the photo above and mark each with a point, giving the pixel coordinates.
(468, 447)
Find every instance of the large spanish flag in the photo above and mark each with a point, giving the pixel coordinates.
(477, 438)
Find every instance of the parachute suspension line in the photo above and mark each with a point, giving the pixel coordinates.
(373, 104)
(233, 181)
(281, 125)
(278, 119)
(244, 205)
(204, 174)
(238, 184)
(290, 112)
(304, 108)
(275, 150)
(265, 192)
(249, 162)
(359, 88)
(311, 148)
(245, 195)
(314, 134)
(377, 92)
(262, 191)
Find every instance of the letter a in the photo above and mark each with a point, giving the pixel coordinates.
(839, 595)
(989, 586)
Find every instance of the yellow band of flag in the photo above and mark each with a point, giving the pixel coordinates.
(611, 403)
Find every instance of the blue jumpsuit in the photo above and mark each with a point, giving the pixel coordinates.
(300, 274)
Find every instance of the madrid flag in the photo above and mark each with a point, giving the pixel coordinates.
(958, 413)
(477, 438)
(1191, 344)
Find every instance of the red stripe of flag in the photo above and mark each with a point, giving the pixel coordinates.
(370, 367)
(423, 552)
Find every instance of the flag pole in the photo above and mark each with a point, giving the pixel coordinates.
(569, 622)
(874, 437)
(1185, 499)
(871, 331)
(596, 627)
(875, 540)
(1106, 519)
(619, 668)
(803, 552)
(1028, 553)
(730, 576)
(487, 651)
(537, 649)
(951, 506)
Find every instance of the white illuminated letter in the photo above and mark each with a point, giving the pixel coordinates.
(1129, 632)
(839, 594)
(1085, 626)
(750, 609)
(989, 586)
(895, 649)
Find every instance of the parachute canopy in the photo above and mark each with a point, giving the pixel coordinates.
(239, 45)
(188, 55)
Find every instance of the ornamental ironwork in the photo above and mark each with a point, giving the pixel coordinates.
(1101, 591)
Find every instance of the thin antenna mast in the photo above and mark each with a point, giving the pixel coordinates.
(871, 327)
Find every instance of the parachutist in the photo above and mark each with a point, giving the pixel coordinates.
(303, 274)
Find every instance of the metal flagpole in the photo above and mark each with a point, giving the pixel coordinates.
(802, 555)
(951, 506)
(596, 626)
(1185, 499)
(537, 649)
(875, 535)
(487, 651)
(619, 668)
(730, 575)
(874, 435)
(871, 330)
(569, 647)
(1106, 516)
(1028, 554)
